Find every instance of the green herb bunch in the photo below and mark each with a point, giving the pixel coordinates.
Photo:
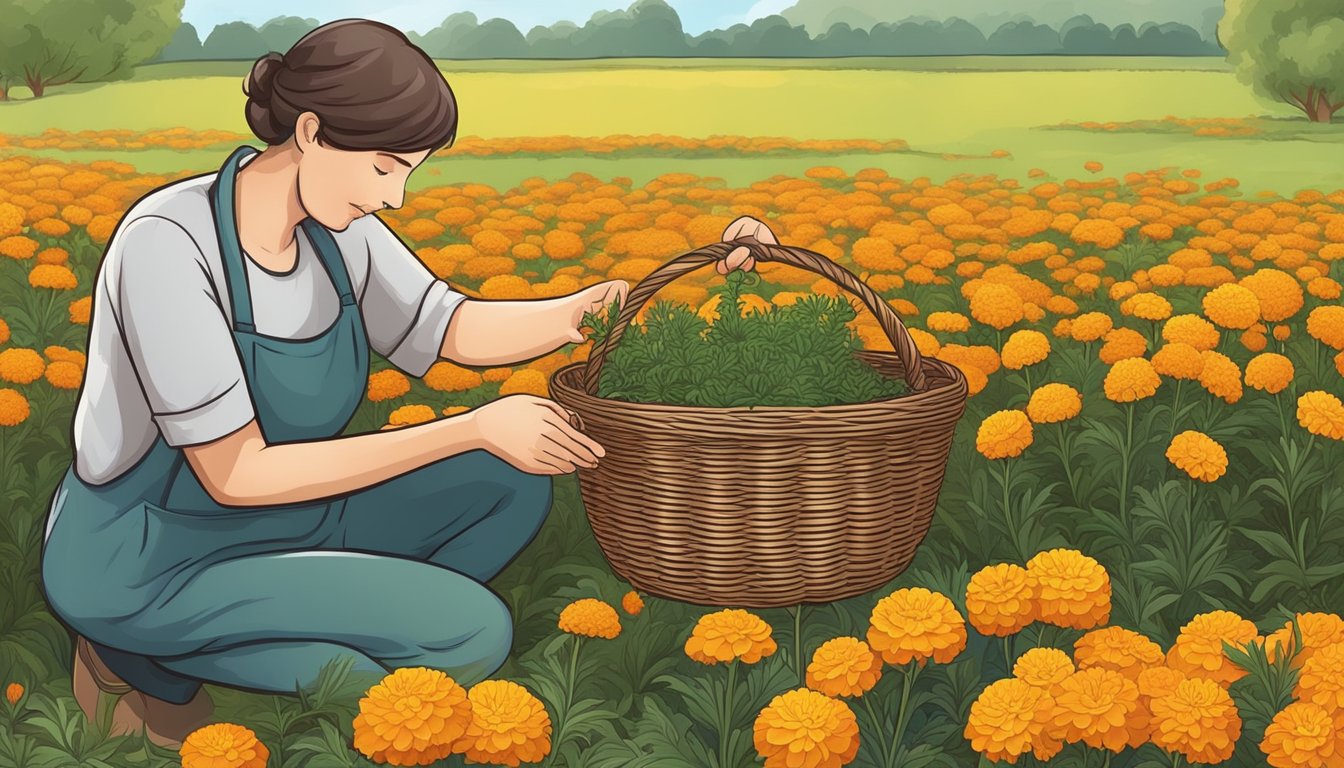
(802, 354)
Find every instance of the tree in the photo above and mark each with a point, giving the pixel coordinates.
(46, 43)
(1289, 50)
(185, 44)
(282, 32)
(235, 40)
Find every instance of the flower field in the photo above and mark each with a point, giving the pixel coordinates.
(1137, 559)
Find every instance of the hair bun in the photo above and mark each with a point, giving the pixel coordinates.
(261, 80)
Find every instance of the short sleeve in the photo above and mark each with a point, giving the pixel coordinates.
(177, 334)
(406, 308)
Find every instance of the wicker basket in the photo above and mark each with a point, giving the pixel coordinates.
(766, 506)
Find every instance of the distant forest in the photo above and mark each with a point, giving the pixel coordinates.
(653, 28)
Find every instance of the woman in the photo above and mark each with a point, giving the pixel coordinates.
(214, 525)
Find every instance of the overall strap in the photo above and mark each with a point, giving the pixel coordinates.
(230, 247)
(332, 260)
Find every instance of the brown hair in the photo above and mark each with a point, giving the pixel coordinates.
(370, 86)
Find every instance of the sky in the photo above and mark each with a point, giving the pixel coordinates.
(423, 15)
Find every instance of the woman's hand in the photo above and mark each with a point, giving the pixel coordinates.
(740, 257)
(594, 298)
(534, 435)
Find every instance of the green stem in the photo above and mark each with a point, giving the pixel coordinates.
(1040, 635)
(1008, 655)
(1007, 508)
(798, 644)
(727, 715)
(1175, 759)
(1124, 465)
(1175, 411)
(898, 738)
(1026, 373)
(569, 697)
(883, 748)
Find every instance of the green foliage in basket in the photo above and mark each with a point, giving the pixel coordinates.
(800, 354)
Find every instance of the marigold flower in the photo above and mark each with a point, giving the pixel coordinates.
(632, 603)
(387, 384)
(1072, 589)
(916, 624)
(223, 745)
(1304, 734)
(1269, 372)
(1043, 667)
(1147, 306)
(1279, 293)
(18, 247)
(1321, 679)
(844, 666)
(13, 692)
(1319, 412)
(948, 322)
(1198, 650)
(1178, 360)
(1158, 680)
(64, 374)
(1090, 326)
(1130, 380)
(507, 725)
(1122, 344)
(1197, 719)
(728, 635)
(444, 376)
(1025, 348)
(1099, 707)
(999, 600)
(1053, 403)
(996, 305)
(1232, 306)
(1004, 434)
(806, 728)
(1191, 329)
(1117, 648)
(1007, 719)
(57, 277)
(14, 408)
(1326, 325)
(80, 310)
(590, 617)
(1198, 455)
(1220, 376)
(1318, 631)
(412, 717)
(21, 365)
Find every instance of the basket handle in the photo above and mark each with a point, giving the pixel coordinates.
(812, 261)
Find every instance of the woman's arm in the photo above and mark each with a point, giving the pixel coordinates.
(496, 332)
(240, 469)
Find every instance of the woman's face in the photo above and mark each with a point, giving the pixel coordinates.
(337, 186)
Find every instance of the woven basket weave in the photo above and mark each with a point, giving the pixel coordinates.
(765, 506)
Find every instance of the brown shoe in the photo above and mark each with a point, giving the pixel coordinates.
(92, 679)
(166, 724)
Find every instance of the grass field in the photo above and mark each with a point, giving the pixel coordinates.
(1021, 270)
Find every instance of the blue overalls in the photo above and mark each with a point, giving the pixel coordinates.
(174, 589)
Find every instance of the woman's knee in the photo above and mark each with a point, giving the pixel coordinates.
(469, 642)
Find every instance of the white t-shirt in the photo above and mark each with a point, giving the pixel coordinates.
(161, 355)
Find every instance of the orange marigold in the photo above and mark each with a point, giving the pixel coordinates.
(1072, 589)
(387, 384)
(507, 725)
(1326, 325)
(590, 617)
(64, 374)
(730, 635)
(1099, 707)
(1190, 329)
(1000, 600)
(1090, 326)
(1024, 348)
(80, 309)
(1007, 719)
(1198, 650)
(844, 666)
(948, 322)
(1004, 434)
(1304, 734)
(223, 745)
(1130, 380)
(1220, 376)
(1198, 455)
(1321, 680)
(1269, 372)
(805, 728)
(1147, 306)
(1320, 413)
(1178, 360)
(632, 603)
(1232, 306)
(21, 365)
(1197, 719)
(1117, 648)
(412, 717)
(996, 305)
(916, 624)
(14, 408)
(1053, 403)
(1318, 631)
(1279, 293)
(1122, 344)
(1043, 667)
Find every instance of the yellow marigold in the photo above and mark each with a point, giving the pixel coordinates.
(507, 725)
(21, 365)
(54, 276)
(1130, 380)
(1147, 306)
(1178, 360)
(916, 624)
(387, 384)
(1269, 372)
(1198, 650)
(1004, 434)
(996, 305)
(730, 634)
(1122, 344)
(64, 374)
(412, 716)
(1117, 648)
(1103, 233)
(1007, 719)
(1158, 680)
(444, 376)
(526, 381)
(11, 219)
(1090, 326)
(80, 309)
(590, 617)
(4, 332)
(1318, 631)
(18, 247)
(1198, 455)
(1025, 348)
(1304, 734)
(14, 408)
(1072, 589)
(1279, 293)
(1232, 306)
(1099, 707)
(948, 322)
(1320, 413)
(1326, 325)
(1190, 329)
(632, 603)
(1321, 680)
(1053, 403)
(1197, 719)
(1325, 288)
(1043, 667)
(1220, 376)
(999, 600)
(806, 729)
(844, 666)
(223, 745)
